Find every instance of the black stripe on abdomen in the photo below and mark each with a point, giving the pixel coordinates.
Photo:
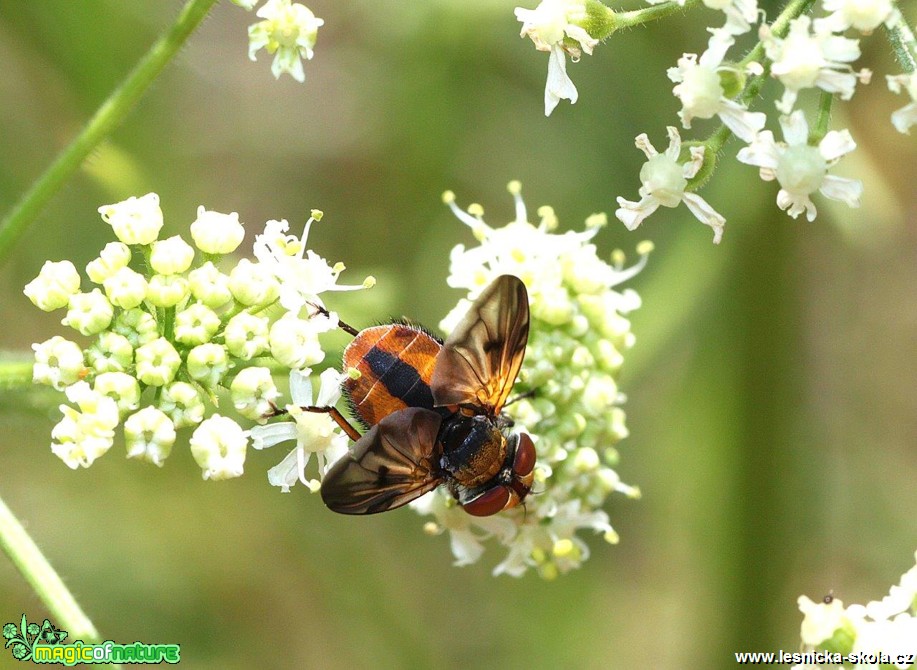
(402, 380)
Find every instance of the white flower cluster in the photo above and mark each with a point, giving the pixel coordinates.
(288, 31)
(802, 54)
(165, 344)
(577, 337)
(881, 629)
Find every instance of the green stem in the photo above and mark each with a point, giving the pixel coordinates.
(16, 372)
(637, 17)
(106, 118)
(903, 43)
(29, 560)
(824, 116)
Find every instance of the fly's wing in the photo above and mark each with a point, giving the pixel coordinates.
(479, 361)
(395, 462)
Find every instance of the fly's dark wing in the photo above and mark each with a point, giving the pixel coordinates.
(396, 461)
(479, 361)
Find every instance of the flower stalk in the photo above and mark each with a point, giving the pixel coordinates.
(32, 564)
(103, 122)
(903, 43)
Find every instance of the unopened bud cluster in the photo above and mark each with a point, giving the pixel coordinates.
(578, 335)
(173, 335)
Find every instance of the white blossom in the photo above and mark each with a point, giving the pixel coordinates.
(216, 233)
(805, 59)
(314, 433)
(219, 445)
(82, 436)
(53, 286)
(58, 363)
(801, 169)
(149, 435)
(862, 15)
(135, 220)
(700, 90)
(552, 26)
(171, 256)
(664, 181)
(905, 117)
(301, 273)
(288, 31)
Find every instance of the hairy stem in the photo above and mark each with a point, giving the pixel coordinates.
(903, 43)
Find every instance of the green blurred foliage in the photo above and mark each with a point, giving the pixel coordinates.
(771, 396)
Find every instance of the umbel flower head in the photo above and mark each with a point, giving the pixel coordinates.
(166, 343)
(577, 337)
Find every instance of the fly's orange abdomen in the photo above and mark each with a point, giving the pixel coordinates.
(395, 363)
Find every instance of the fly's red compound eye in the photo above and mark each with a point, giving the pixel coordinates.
(524, 461)
(490, 502)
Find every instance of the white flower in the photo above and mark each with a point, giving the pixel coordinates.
(740, 14)
(167, 290)
(700, 90)
(219, 445)
(863, 15)
(289, 31)
(126, 288)
(112, 258)
(821, 619)
(53, 286)
(135, 220)
(905, 117)
(246, 335)
(664, 181)
(58, 363)
(209, 286)
(149, 435)
(802, 169)
(294, 342)
(806, 60)
(548, 25)
(466, 532)
(216, 233)
(301, 273)
(207, 363)
(120, 387)
(253, 393)
(157, 362)
(519, 248)
(252, 283)
(89, 313)
(314, 433)
(196, 324)
(171, 256)
(182, 403)
(137, 325)
(111, 353)
(82, 436)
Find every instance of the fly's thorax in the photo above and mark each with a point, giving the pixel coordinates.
(473, 449)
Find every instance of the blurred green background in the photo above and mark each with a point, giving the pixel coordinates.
(772, 400)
